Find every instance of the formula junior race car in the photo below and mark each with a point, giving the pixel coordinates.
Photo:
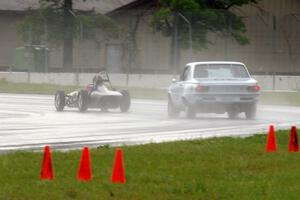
(99, 94)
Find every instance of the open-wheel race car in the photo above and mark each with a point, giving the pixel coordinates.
(99, 94)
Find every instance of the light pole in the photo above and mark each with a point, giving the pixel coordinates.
(79, 42)
(190, 31)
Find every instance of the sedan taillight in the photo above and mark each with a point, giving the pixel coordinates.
(254, 88)
(201, 88)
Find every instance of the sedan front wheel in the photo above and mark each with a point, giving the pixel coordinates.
(189, 111)
(172, 111)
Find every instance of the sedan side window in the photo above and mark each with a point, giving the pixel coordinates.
(184, 76)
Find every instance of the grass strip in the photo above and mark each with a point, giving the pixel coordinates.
(28, 88)
(272, 98)
(217, 168)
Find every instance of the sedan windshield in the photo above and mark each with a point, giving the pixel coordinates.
(220, 71)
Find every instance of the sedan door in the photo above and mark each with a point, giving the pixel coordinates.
(178, 88)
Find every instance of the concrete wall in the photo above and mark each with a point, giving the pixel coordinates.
(290, 83)
(279, 82)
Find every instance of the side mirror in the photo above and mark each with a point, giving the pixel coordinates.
(174, 80)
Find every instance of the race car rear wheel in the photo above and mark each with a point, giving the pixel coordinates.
(59, 100)
(125, 101)
(83, 100)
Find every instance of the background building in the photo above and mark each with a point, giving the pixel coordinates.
(273, 29)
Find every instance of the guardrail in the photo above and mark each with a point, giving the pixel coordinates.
(267, 82)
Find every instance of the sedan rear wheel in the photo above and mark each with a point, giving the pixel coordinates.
(232, 114)
(250, 111)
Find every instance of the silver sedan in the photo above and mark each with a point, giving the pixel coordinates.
(214, 87)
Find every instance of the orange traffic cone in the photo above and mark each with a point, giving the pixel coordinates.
(47, 170)
(118, 173)
(271, 140)
(84, 171)
(293, 145)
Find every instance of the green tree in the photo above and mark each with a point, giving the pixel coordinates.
(57, 23)
(219, 16)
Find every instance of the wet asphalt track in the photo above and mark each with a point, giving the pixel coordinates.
(30, 122)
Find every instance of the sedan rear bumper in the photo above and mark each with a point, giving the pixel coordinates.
(221, 103)
(196, 99)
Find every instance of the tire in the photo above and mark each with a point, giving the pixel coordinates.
(125, 101)
(83, 100)
(59, 100)
(103, 109)
(250, 111)
(189, 111)
(172, 111)
(232, 114)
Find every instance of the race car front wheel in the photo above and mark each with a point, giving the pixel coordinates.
(83, 98)
(125, 101)
(59, 100)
